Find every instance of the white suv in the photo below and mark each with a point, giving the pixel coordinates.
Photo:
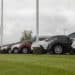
(55, 44)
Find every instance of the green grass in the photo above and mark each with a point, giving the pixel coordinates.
(37, 64)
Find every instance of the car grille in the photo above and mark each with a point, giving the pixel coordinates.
(36, 48)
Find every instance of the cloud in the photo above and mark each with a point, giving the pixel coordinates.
(20, 15)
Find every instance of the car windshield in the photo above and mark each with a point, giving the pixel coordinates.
(41, 38)
(58, 36)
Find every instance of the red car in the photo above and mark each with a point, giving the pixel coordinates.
(17, 47)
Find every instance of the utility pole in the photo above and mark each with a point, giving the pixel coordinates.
(1, 22)
(37, 20)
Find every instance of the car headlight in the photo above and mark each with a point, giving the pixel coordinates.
(31, 48)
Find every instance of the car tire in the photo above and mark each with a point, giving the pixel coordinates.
(15, 50)
(4, 51)
(72, 51)
(58, 49)
(9, 51)
(25, 50)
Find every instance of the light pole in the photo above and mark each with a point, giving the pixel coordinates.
(1, 22)
(37, 20)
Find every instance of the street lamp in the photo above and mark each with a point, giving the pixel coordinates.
(1, 22)
(37, 20)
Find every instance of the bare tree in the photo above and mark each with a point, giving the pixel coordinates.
(26, 36)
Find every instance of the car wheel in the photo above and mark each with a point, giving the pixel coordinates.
(72, 51)
(15, 50)
(58, 49)
(25, 50)
(4, 51)
(9, 51)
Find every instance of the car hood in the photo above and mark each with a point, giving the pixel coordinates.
(44, 44)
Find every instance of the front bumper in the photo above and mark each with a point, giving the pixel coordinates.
(35, 48)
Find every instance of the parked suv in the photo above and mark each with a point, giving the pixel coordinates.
(56, 44)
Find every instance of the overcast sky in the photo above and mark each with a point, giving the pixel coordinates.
(55, 15)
